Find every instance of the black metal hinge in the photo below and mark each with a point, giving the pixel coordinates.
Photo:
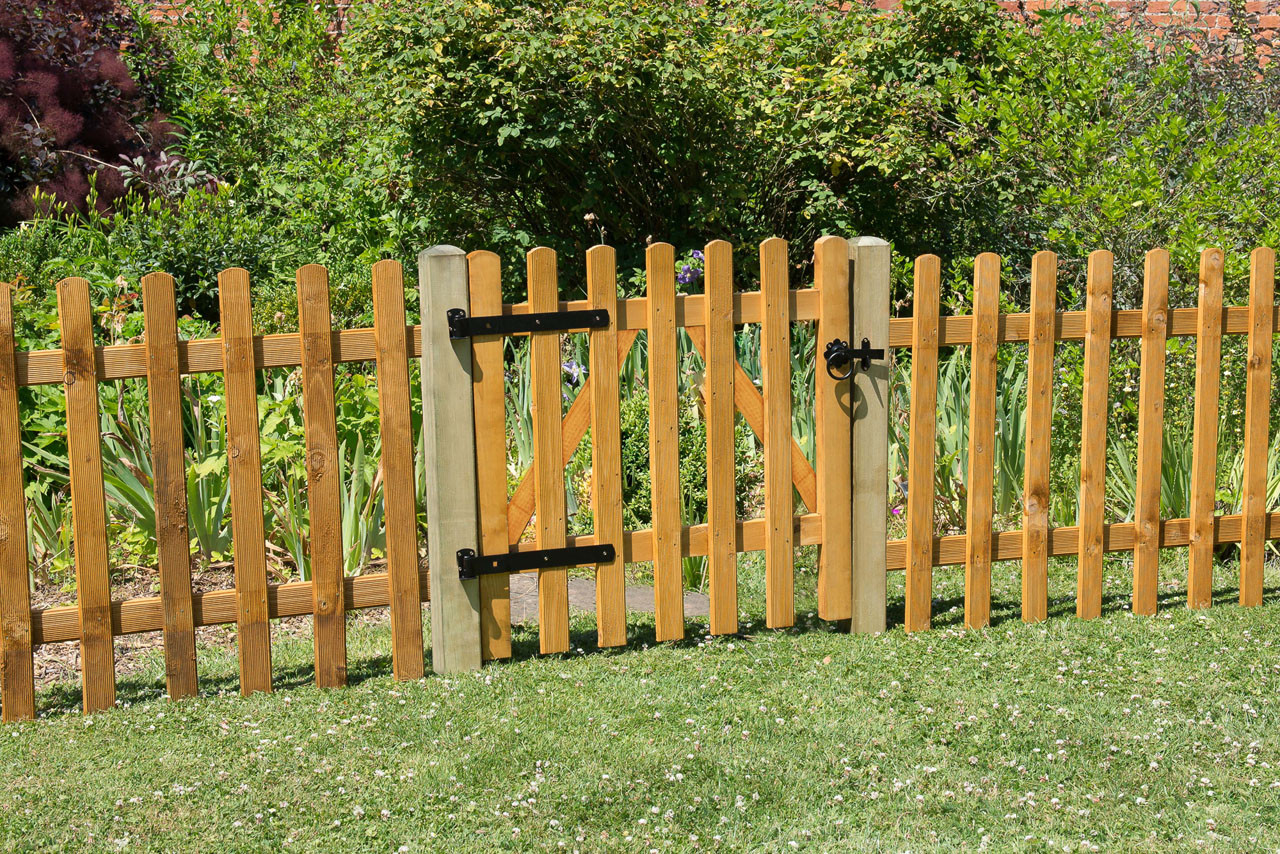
(472, 565)
(462, 326)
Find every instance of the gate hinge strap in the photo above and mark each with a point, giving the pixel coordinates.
(462, 326)
(472, 565)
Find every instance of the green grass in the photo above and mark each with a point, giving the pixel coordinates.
(1122, 733)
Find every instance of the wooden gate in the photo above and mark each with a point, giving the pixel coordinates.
(839, 502)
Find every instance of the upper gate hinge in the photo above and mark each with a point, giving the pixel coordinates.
(462, 326)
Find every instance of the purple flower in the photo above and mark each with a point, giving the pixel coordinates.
(697, 255)
(686, 275)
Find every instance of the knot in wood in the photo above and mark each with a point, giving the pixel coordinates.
(317, 461)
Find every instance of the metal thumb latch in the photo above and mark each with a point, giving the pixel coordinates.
(839, 353)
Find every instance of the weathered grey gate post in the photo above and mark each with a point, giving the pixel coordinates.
(869, 257)
(453, 519)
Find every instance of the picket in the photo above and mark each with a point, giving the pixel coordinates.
(244, 461)
(923, 431)
(982, 428)
(17, 676)
(834, 418)
(168, 471)
(484, 270)
(1035, 480)
(545, 383)
(1093, 435)
(606, 447)
(1204, 447)
(399, 492)
(719, 390)
(1262, 289)
(775, 368)
(324, 482)
(664, 443)
(88, 501)
(1146, 512)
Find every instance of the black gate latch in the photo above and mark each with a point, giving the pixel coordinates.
(472, 565)
(839, 353)
(461, 326)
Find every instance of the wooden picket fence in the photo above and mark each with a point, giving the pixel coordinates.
(1091, 537)
(839, 502)
(162, 359)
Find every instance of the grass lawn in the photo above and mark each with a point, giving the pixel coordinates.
(1122, 733)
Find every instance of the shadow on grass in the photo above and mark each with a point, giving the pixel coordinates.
(140, 687)
(949, 612)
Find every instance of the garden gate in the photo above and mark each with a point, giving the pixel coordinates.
(479, 537)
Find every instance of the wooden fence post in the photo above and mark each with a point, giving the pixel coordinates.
(869, 396)
(453, 520)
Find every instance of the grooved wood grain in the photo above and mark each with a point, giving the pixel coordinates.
(244, 459)
(775, 368)
(84, 450)
(664, 443)
(17, 676)
(834, 435)
(546, 382)
(719, 390)
(1146, 513)
(982, 428)
(169, 477)
(399, 492)
(923, 431)
(324, 482)
(1035, 499)
(606, 447)
(1093, 437)
(1204, 443)
(488, 396)
(1262, 292)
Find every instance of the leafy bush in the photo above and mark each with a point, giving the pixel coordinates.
(70, 109)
